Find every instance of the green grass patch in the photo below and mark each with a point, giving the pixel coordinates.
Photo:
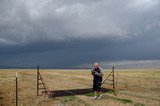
(112, 92)
(73, 98)
(139, 104)
(124, 100)
(82, 101)
(70, 98)
(91, 94)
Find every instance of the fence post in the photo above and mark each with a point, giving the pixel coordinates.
(37, 80)
(16, 89)
(113, 78)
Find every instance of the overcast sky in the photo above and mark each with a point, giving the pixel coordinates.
(77, 33)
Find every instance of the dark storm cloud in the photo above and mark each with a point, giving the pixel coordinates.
(70, 33)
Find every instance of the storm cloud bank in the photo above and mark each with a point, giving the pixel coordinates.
(71, 33)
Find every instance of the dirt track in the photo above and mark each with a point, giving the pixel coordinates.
(141, 87)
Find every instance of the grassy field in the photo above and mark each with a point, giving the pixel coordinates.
(134, 87)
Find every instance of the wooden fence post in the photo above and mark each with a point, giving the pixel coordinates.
(113, 78)
(16, 89)
(37, 80)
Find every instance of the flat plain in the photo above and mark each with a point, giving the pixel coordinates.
(133, 87)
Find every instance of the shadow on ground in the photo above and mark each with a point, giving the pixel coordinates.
(70, 92)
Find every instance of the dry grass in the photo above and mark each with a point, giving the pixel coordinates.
(138, 87)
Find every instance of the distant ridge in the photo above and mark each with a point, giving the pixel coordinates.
(34, 67)
(14, 67)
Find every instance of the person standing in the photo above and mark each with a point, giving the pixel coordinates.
(97, 73)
